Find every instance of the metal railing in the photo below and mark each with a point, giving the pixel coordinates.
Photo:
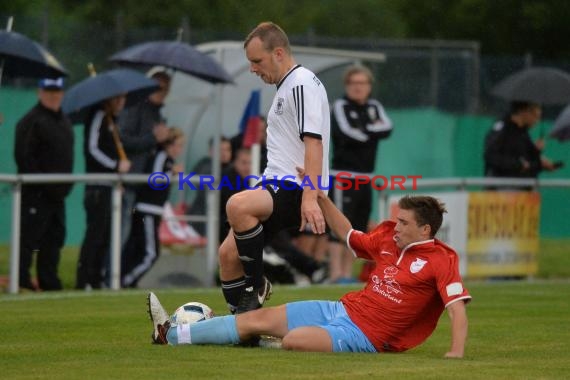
(116, 181)
(462, 183)
(212, 217)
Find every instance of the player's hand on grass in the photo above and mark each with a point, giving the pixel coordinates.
(453, 355)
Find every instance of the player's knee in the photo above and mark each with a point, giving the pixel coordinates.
(291, 342)
(307, 339)
(237, 207)
(295, 340)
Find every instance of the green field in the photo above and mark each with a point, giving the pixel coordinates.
(518, 330)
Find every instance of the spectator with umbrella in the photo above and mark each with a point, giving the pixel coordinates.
(44, 144)
(101, 156)
(142, 128)
(97, 101)
(509, 149)
(138, 122)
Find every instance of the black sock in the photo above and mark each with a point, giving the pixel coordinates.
(250, 248)
(232, 292)
(302, 262)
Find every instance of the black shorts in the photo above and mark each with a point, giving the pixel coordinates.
(356, 205)
(287, 197)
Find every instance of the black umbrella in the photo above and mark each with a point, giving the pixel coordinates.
(23, 57)
(541, 85)
(175, 55)
(561, 129)
(108, 84)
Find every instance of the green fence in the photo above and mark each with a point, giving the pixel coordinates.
(425, 142)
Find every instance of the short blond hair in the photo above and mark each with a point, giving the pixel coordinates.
(357, 69)
(271, 36)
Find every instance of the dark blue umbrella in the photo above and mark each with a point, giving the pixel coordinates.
(93, 90)
(23, 57)
(175, 55)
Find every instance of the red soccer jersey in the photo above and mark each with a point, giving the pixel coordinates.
(408, 290)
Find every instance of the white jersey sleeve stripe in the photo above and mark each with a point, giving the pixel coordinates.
(298, 98)
(296, 101)
(159, 161)
(302, 109)
(344, 125)
(94, 150)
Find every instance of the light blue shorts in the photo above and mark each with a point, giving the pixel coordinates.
(331, 316)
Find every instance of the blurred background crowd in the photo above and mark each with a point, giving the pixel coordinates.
(438, 80)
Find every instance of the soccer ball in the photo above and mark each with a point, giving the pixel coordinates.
(191, 312)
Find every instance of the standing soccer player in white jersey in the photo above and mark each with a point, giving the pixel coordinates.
(297, 136)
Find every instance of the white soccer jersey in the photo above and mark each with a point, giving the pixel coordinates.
(300, 108)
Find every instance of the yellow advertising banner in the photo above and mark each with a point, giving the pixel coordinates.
(502, 233)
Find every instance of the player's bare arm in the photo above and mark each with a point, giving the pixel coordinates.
(336, 220)
(458, 317)
(310, 210)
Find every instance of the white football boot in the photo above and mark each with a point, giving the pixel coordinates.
(160, 319)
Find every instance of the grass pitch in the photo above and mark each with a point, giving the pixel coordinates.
(518, 330)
